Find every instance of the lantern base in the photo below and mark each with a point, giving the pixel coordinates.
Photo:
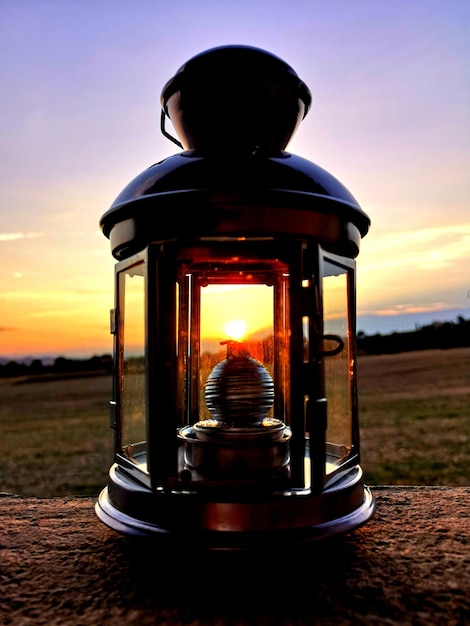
(234, 453)
(231, 523)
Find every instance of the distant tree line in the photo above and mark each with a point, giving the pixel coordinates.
(61, 367)
(439, 335)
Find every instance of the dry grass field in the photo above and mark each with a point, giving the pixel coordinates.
(414, 417)
(55, 436)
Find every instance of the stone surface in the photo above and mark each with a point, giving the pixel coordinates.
(59, 565)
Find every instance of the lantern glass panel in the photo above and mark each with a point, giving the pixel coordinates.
(230, 293)
(338, 363)
(132, 362)
(232, 352)
(235, 312)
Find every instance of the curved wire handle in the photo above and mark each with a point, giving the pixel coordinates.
(165, 133)
(336, 350)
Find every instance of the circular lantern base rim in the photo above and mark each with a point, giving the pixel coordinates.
(126, 522)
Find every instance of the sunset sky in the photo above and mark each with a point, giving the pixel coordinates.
(80, 114)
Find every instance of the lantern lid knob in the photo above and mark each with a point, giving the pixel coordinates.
(238, 97)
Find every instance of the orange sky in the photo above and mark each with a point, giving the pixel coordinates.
(252, 304)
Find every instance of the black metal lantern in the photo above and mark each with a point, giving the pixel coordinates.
(235, 408)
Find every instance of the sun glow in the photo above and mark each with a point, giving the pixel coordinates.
(230, 310)
(235, 329)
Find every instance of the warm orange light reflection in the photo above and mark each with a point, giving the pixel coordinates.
(233, 311)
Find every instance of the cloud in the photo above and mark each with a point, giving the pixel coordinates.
(16, 236)
(406, 308)
(426, 249)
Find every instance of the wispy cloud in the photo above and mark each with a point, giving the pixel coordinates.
(406, 308)
(48, 296)
(16, 236)
(428, 249)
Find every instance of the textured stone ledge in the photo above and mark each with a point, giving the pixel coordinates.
(409, 565)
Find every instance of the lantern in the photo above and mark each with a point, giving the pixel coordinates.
(234, 398)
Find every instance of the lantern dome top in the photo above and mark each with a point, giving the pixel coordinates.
(240, 97)
(234, 108)
(190, 195)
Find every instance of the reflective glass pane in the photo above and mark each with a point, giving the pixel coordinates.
(337, 365)
(235, 313)
(133, 409)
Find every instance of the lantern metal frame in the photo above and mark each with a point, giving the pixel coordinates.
(267, 210)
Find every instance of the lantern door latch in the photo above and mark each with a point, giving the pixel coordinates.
(112, 321)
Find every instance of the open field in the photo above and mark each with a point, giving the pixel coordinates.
(414, 417)
(55, 436)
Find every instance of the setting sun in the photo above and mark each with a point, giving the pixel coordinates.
(232, 311)
(235, 329)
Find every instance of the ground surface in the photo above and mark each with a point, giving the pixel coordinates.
(409, 565)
